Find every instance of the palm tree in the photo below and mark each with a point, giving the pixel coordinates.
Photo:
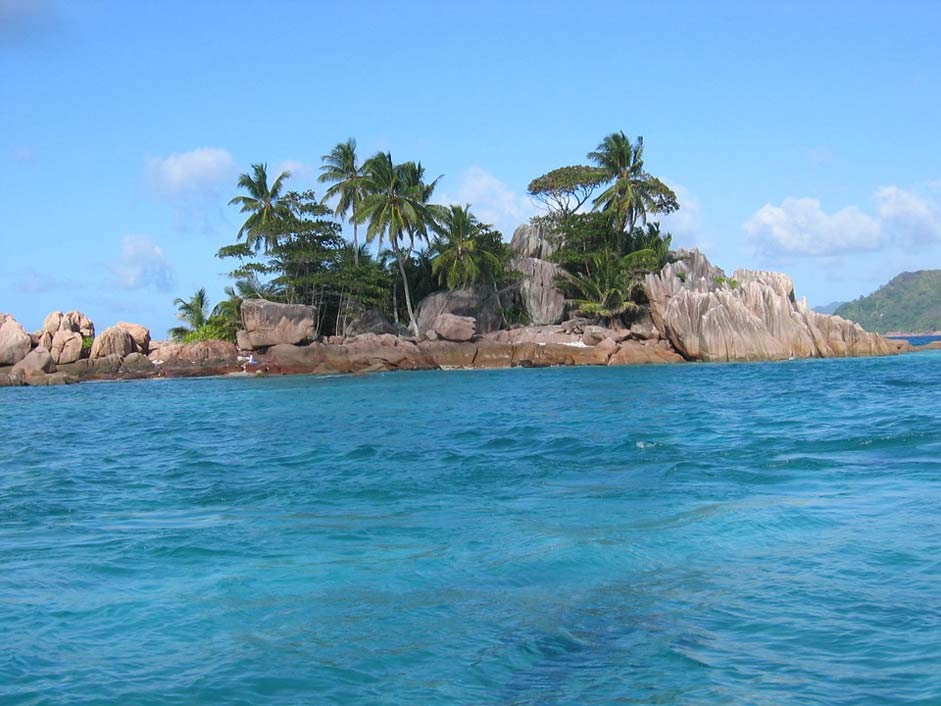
(192, 311)
(262, 203)
(634, 192)
(341, 168)
(460, 262)
(395, 203)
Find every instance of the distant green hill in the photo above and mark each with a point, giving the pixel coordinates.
(828, 308)
(911, 303)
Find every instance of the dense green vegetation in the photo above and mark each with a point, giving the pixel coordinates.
(910, 303)
(604, 253)
(290, 247)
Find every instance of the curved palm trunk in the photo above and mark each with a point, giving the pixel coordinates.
(399, 256)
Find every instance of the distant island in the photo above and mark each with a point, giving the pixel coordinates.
(829, 308)
(909, 303)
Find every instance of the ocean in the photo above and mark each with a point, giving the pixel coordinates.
(688, 534)
(918, 340)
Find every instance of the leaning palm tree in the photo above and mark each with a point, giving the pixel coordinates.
(634, 193)
(262, 202)
(191, 311)
(395, 205)
(341, 168)
(460, 262)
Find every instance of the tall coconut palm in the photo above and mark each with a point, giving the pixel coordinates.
(395, 205)
(341, 168)
(262, 203)
(192, 311)
(634, 193)
(461, 261)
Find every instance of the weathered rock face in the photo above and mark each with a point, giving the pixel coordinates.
(533, 241)
(753, 317)
(71, 321)
(192, 359)
(370, 321)
(15, 343)
(66, 346)
(542, 300)
(455, 328)
(112, 341)
(479, 303)
(38, 360)
(267, 323)
(140, 335)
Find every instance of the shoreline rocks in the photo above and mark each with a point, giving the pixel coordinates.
(753, 315)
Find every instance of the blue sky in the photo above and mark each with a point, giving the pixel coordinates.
(802, 137)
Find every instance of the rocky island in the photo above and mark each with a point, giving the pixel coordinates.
(694, 312)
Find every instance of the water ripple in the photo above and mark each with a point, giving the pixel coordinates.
(702, 534)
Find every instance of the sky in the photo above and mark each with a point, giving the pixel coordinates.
(802, 137)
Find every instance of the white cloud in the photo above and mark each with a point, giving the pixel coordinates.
(492, 201)
(142, 264)
(907, 216)
(800, 226)
(197, 172)
(299, 172)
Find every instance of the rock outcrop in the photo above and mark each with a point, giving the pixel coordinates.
(192, 359)
(455, 328)
(542, 299)
(38, 360)
(480, 303)
(752, 316)
(113, 341)
(532, 240)
(15, 343)
(72, 321)
(369, 321)
(139, 334)
(66, 346)
(267, 323)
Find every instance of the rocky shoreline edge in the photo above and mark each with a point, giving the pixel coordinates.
(693, 313)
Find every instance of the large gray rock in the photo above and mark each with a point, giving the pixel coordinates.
(140, 335)
(369, 321)
(542, 299)
(455, 328)
(15, 343)
(66, 346)
(480, 303)
(38, 360)
(753, 316)
(71, 321)
(112, 341)
(533, 240)
(267, 323)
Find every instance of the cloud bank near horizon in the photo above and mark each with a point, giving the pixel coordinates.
(801, 227)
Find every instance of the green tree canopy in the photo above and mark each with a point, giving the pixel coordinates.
(341, 168)
(395, 206)
(467, 251)
(566, 189)
(262, 203)
(633, 193)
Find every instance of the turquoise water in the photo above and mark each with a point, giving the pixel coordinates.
(699, 534)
